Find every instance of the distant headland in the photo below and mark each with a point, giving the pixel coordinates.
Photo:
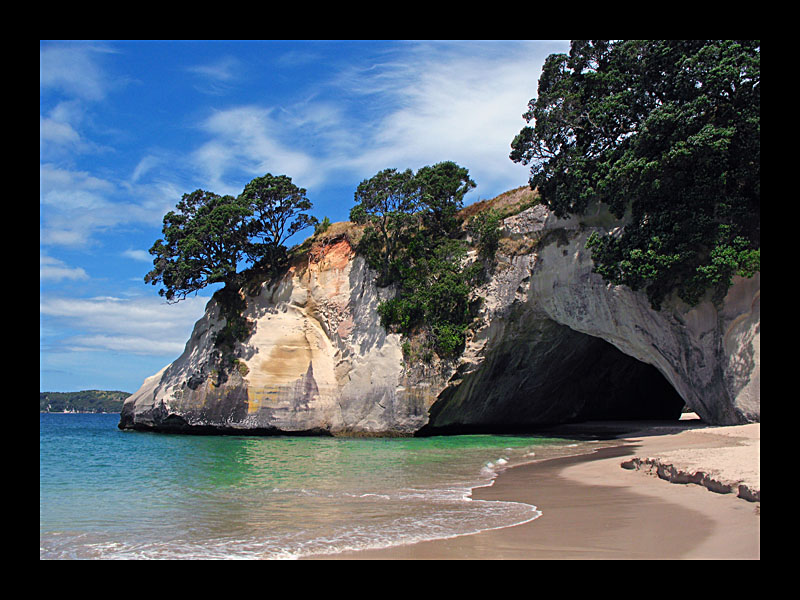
(86, 401)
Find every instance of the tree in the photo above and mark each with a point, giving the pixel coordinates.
(277, 207)
(203, 242)
(209, 236)
(441, 190)
(667, 131)
(485, 231)
(387, 203)
(411, 239)
(408, 213)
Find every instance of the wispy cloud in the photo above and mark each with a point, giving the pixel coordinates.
(55, 134)
(417, 104)
(451, 101)
(140, 255)
(248, 140)
(53, 269)
(216, 78)
(73, 69)
(223, 69)
(145, 326)
(76, 205)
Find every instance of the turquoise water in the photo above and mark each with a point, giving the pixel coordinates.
(105, 493)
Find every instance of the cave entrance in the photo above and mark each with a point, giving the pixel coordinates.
(543, 373)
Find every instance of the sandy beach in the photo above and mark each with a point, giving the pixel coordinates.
(593, 507)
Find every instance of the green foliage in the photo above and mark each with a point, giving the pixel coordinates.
(388, 203)
(237, 327)
(277, 208)
(435, 297)
(411, 240)
(322, 226)
(668, 131)
(203, 242)
(208, 236)
(485, 231)
(441, 189)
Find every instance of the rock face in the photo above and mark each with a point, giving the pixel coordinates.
(554, 344)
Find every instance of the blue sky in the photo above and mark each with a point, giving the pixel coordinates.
(126, 128)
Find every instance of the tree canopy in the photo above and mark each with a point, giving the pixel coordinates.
(208, 236)
(278, 212)
(666, 132)
(204, 240)
(387, 202)
(408, 213)
(411, 240)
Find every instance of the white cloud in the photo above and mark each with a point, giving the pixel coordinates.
(53, 269)
(75, 205)
(137, 325)
(248, 139)
(121, 343)
(217, 78)
(452, 101)
(146, 164)
(73, 69)
(417, 104)
(60, 132)
(67, 189)
(223, 69)
(57, 133)
(140, 255)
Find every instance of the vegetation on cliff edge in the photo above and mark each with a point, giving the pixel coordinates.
(412, 238)
(667, 132)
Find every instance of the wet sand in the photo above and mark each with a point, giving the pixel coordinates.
(592, 508)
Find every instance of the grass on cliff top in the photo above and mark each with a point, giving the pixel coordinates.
(506, 204)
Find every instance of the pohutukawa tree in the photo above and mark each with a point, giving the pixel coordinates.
(667, 131)
(204, 241)
(277, 211)
(411, 240)
(208, 236)
(388, 204)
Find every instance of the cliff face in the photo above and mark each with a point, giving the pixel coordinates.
(554, 343)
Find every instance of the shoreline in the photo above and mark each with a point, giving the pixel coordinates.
(594, 508)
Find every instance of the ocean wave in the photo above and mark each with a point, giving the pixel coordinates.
(429, 515)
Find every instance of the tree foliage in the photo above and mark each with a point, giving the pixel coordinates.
(208, 236)
(667, 132)
(485, 230)
(277, 208)
(411, 240)
(388, 203)
(204, 240)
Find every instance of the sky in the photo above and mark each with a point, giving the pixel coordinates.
(127, 127)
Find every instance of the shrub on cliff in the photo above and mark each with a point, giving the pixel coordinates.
(667, 131)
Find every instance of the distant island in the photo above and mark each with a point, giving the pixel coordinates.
(86, 401)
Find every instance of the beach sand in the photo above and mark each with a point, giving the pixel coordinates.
(593, 508)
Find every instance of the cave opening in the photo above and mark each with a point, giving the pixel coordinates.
(544, 374)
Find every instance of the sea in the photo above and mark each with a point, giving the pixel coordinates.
(111, 494)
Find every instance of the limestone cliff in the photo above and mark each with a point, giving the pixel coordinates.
(554, 343)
